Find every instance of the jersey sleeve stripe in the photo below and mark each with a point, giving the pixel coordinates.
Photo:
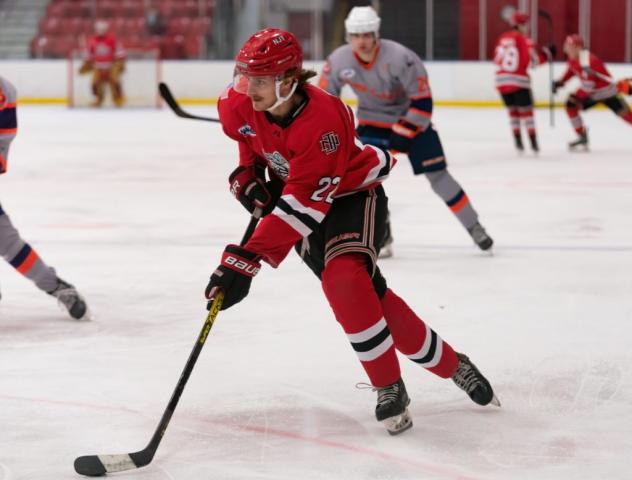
(299, 207)
(301, 221)
(381, 170)
(292, 221)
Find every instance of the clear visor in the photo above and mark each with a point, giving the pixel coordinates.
(243, 83)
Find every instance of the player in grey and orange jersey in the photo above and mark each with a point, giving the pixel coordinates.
(395, 109)
(16, 251)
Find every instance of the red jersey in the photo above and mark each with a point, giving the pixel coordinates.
(514, 53)
(103, 50)
(591, 84)
(316, 153)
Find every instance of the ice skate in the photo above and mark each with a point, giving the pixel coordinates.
(67, 295)
(580, 144)
(534, 143)
(391, 410)
(480, 237)
(518, 143)
(472, 382)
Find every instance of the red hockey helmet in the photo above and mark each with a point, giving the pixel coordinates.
(574, 40)
(269, 52)
(519, 18)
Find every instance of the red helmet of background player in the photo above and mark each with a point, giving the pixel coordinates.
(575, 40)
(269, 52)
(519, 18)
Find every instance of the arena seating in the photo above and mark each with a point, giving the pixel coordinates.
(185, 26)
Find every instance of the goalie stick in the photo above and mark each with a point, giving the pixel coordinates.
(98, 465)
(170, 100)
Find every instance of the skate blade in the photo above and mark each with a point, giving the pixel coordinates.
(495, 401)
(399, 423)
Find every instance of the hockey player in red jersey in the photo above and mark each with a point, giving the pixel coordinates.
(515, 52)
(325, 199)
(105, 58)
(597, 86)
(19, 254)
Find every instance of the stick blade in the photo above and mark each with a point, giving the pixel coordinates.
(99, 465)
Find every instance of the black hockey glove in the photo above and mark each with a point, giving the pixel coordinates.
(250, 190)
(233, 276)
(402, 135)
(556, 85)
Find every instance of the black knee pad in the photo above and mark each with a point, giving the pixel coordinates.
(379, 283)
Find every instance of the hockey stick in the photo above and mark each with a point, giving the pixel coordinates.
(549, 21)
(169, 99)
(98, 465)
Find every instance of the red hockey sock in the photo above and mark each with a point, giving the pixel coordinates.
(514, 120)
(526, 113)
(627, 117)
(349, 290)
(576, 120)
(415, 339)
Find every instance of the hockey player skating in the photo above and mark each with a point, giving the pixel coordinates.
(325, 199)
(13, 249)
(597, 86)
(105, 58)
(515, 52)
(395, 109)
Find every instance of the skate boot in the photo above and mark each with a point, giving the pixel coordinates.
(534, 143)
(518, 142)
(391, 410)
(580, 143)
(67, 295)
(480, 237)
(471, 381)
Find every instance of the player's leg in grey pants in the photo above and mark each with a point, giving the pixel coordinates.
(23, 258)
(454, 197)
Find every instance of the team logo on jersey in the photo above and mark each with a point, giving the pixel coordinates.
(347, 73)
(329, 143)
(278, 164)
(247, 131)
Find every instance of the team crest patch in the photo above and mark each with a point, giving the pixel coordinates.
(347, 73)
(329, 143)
(247, 131)
(278, 164)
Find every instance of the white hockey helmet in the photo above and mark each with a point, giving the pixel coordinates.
(101, 27)
(362, 20)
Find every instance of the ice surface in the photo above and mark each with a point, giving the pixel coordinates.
(133, 207)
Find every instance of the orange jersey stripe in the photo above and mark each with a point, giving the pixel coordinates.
(458, 206)
(8, 130)
(8, 105)
(28, 263)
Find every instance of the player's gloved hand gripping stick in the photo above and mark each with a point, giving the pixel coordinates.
(98, 465)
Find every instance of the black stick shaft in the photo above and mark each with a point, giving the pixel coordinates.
(195, 353)
(170, 100)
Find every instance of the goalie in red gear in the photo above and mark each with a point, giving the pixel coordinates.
(105, 58)
(326, 200)
(597, 86)
(515, 52)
